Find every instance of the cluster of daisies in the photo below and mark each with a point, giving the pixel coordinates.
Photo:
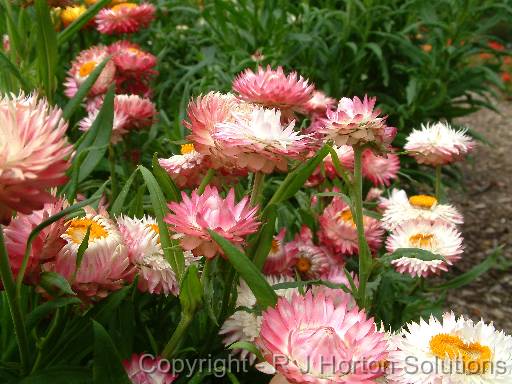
(129, 69)
(118, 17)
(317, 336)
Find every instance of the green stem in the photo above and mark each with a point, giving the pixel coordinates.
(257, 187)
(14, 304)
(113, 177)
(205, 181)
(177, 337)
(227, 293)
(438, 185)
(365, 260)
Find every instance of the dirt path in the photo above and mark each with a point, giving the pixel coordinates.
(486, 204)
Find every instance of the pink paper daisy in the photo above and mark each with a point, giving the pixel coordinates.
(299, 336)
(380, 170)
(338, 230)
(274, 89)
(319, 103)
(82, 67)
(259, 142)
(145, 369)
(356, 122)
(304, 257)
(345, 155)
(125, 18)
(34, 153)
(193, 216)
(105, 263)
(187, 169)
(131, 112)
(336, 275)
(438, 144)
(45, 246)
(277, 260)
(130, 58)
(437, 237)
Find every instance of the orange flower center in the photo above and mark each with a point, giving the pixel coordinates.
(275, 245)
(78, 228)
(187, 148)
(422, 201)
(135, 51)
(346, 216)
(476, 358)
(154, 228)
(422, 240)
(87, 68)
(121, 6)
(303, 264)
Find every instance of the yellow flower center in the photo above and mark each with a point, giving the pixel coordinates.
(275, 245)
(121, 6)
(187, 148)
(303, 264)
(87, 68)
(422, 201)
(70, 14)
(422, 240)
(78, 228)
(346, 216)
(476, 358)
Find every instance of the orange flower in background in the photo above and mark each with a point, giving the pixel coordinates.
(71, 13)
(496, 46)
(505, 76)
(426, 48)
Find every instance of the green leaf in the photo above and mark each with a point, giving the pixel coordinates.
(76, 25)
(7, 65)
(47, 53)
(259, 286)
(416, 253)
(171, 249)
(99, 133)
(82, 248)
(103, 312)
(118, 204)
(191, 291)
(43, 310)
(84, 89)
(58, 375)
(470, 275)
(170, 190)
(263, 241)
(107, 366)
(296, 179)
(51, 280)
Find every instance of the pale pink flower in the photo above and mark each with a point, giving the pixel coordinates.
(131, 112)
(300, 335)
(193, 216)
(274, 89)
(338, 230)
(34, 153)
(345, 155)
(105, 263)
(356, 122)
(145, 369)
(277, 259)
(6, 43)
(83, 65)
(142, 238)
(380, 170)
(306, 258)
(436, 237)
(438, 144)
(204, 113)
(45, 246)
(125, 18)
(188, 168)
(336, 275)
(319, 103)
(259, 142)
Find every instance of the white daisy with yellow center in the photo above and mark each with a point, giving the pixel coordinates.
(400, 208)
(436, 237)
(451, 351)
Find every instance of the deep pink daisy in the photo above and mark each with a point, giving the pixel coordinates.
(274, 89)
(193, 216)
(34, 153)
(380, 170)
(346, 157)
(129, 57)
(310, 340)
(125, 18)
(131, 112)
(277, 260)
(82, 67)
(356, 122)
(319, 103)
(338, 230)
